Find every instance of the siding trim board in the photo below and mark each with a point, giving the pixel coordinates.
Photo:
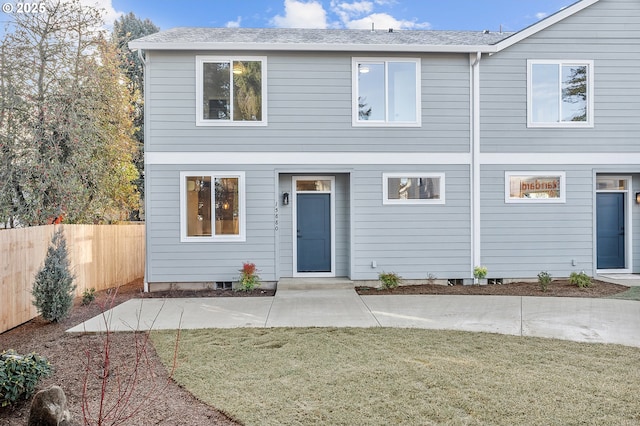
(305, 158)
(392, 158)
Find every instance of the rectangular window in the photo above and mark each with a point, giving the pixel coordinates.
(535, 187)
(560, 94)
(230, 91)
(386, 92)
(413, 188)
(212, 206)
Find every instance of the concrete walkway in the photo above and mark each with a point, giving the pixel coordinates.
(578, 319)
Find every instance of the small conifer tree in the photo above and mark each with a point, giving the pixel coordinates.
(53, 288)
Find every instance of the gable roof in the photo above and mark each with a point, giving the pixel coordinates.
(297, 39)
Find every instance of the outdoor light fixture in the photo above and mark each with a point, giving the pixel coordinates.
(285, 198)
(637, 197)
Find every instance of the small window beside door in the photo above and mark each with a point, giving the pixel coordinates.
(535, 187)
(410, 188)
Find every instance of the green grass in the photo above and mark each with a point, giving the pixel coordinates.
(632, 294)
(387, 376)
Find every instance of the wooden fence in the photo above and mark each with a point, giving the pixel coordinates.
(101, 257)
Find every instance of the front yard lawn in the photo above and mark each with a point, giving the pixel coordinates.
(404, 376)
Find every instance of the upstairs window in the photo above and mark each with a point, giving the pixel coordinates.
(230, 91)
(386, 92)
(560, 94)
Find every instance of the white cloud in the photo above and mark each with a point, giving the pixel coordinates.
(110, 14)
(541, 15)
(298, 14)
(385, 21)
(234, 24)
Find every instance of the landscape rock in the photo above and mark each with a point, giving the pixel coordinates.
(49, 408)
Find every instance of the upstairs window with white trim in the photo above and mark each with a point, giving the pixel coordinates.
(413, 188)
(212, 206)
(386, 92)
(560, 93)
(230, 91)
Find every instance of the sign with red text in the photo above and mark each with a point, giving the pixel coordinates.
(535, 187)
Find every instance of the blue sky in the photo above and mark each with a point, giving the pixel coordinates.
(512, 15)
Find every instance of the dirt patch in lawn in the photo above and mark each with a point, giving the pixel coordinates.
(557, 288)
(169, 404)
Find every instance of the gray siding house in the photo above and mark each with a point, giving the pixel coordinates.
(345, 153)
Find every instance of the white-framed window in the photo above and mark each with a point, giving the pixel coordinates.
(559, 93)
(231, 91)
(386, 92)
(535, 187)
(413, 188)
(212, 206)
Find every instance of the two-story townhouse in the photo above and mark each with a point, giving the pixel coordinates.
(345, 153)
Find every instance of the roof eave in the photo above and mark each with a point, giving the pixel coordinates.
(309, 47)
(544, 24)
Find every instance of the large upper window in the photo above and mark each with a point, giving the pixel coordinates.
(212, 206)
(230, 91)
(560, 94)
(386, 92)
(413, 188)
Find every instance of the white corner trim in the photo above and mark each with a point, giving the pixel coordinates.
(305, 158)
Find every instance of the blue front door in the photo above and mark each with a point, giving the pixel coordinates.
(314, 232)
(610, 230)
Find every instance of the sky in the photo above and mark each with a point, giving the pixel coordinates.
(493, 15)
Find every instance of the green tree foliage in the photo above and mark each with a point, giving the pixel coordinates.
(575, 91)
(66, 122)
(53, 288)
(126, 28)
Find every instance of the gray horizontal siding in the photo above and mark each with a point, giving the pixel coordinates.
(607, 33)
(520, 240)
(173, 261)
(309, 108)
(415, 241)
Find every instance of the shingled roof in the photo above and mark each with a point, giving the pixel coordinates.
(318, 39)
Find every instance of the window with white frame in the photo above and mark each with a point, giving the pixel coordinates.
(212, 206)
(386, 92)
(413, 188)
(230, 91)
(560, 93)
(535, 187)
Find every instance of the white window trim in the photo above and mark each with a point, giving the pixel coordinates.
(200, 121)
(241, 237)
(356, 122)
(590, 91)
(507, 188)
(385, 188)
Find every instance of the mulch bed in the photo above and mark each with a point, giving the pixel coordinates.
(168, 405)
(171, 404)
(557, 288)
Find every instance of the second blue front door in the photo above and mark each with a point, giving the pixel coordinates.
(610, 230)
(313, 232)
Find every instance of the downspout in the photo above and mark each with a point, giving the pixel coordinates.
(474, 60)
(145, 120)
